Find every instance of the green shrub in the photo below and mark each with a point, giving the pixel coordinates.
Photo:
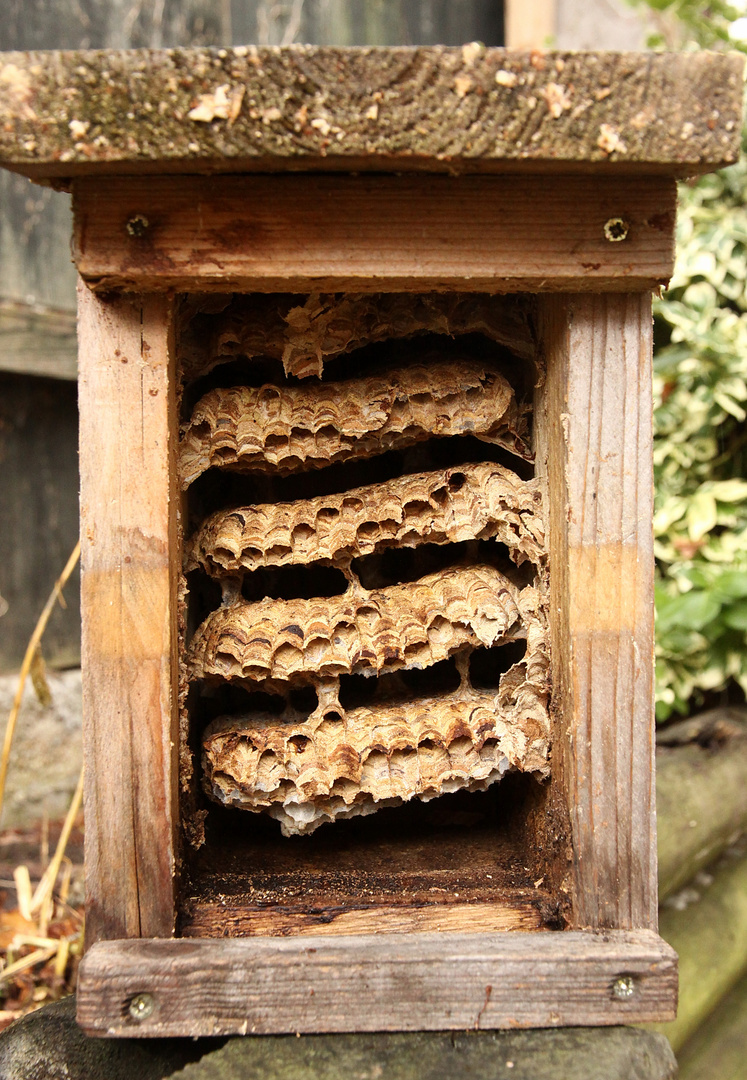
(700, 386)
(700, 412)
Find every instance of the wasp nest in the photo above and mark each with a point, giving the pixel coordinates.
(341, 763)
(349, 758)
(304, 332)
(284, 429)
(413, 625)
(480, 501)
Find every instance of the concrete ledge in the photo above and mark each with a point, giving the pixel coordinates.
(571, 1054)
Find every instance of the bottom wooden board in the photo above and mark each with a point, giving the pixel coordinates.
(513, 913)
(375, 982)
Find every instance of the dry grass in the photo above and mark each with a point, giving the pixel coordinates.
(41, 939)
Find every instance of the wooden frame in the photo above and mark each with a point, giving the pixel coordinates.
(466, 171)
(597, 349)
(492, 233)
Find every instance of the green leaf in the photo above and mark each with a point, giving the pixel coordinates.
(702, 514)
(736, 616)
(689, 611)
(729, 490)
(732, 584)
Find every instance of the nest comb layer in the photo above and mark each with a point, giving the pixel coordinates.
(412, 625)
(446, 507)
(290, 428)
(338, 763)
(342, 761)
(304, 335)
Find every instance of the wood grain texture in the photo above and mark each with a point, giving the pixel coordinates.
(594, 420)
(70, 113)
(128, 537)
(512, 912)
(702, 804)
(37, 342)
(367, 234)
(376, 983)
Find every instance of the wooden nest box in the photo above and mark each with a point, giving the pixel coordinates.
(366, 495)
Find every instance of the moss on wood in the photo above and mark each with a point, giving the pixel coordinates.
(192, 110)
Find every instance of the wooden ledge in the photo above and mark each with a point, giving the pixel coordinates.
(412, 233)
(66, 114)
(375, 982)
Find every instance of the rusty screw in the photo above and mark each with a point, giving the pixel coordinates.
(141, 1006)
(137, 226)
(623, 987)
(615, 230)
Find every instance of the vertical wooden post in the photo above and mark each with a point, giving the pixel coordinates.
(594, 419)
(530, 24)
(128, 542)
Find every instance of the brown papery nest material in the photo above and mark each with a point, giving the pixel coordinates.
(463, 503)
(306, 332)
(338, 763)
(288, 429)
(412, 625)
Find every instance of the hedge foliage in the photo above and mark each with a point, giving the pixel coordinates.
(700, 449)
(700, 417)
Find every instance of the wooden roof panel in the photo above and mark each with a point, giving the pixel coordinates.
(64, 114)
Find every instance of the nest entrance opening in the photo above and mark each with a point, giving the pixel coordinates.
(365, 634)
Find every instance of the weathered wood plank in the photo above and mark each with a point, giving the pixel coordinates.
(208, 919)
(38, 342)
(709, 931)
(38, 516)
(701, 797)
(377, 983)
(594, 418)
(365, 234)
(438, 108)
(128, 537)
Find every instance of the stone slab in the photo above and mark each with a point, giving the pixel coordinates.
(572, 1054)
(49, 1045)
(47, 749)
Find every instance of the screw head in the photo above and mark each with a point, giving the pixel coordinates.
(141, 1006)
(615, 230)
(137, 226)
(623, 987)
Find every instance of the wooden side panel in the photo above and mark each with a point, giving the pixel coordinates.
(597, 454)
(411, 233)
(376, 982)
(128, 527)
(38, 517)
